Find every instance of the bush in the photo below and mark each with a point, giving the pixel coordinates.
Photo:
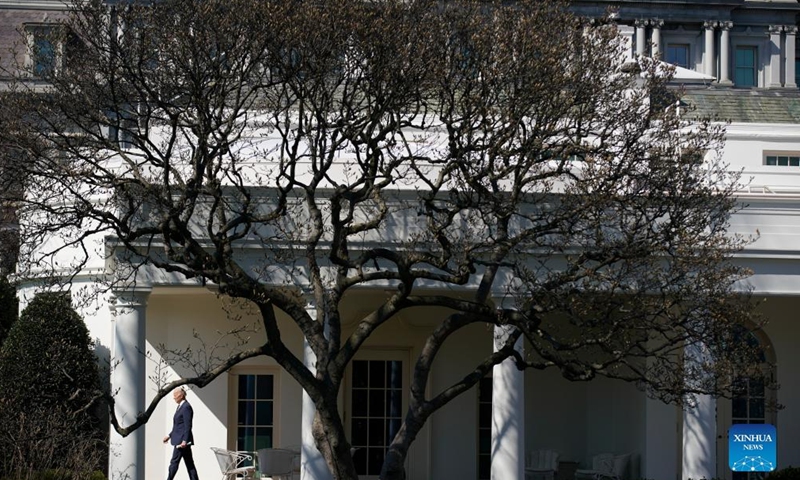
(788, 473)
(48, 381)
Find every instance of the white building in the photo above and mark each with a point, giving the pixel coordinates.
(741, 62)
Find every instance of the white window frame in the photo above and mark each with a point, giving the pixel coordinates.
(681, 36)
(233, 401)
(753, 40)
(31, 30)
(387, 354)
(792, 158)
(689, 49)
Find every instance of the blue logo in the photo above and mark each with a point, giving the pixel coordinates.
(751, 448)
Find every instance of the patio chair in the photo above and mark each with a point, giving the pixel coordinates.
(606, 466)
(541, 465)
(276, 463)
(231, 464)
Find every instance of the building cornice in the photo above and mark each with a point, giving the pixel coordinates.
(34, 5)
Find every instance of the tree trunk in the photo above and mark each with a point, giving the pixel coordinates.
(331, 441)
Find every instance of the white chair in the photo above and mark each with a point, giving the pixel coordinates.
(232, 464)
(606, 466)
(541, 465)
(276, 463)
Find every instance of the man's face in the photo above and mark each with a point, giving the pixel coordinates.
(178, 395)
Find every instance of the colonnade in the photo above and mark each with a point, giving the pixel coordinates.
(781, 50)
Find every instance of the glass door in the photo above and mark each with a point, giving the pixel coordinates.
(375, 405)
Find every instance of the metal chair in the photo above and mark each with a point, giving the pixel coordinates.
(606, 466)
(276, 463)
(231, 464)
(541, 465)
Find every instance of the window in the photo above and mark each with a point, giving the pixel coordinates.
(254, 410)
(485, 428)
(377, 407)
(44, 49)
(678, 54)
(745, 67)
(782, 159)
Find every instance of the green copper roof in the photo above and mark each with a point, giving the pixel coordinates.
(744, 106)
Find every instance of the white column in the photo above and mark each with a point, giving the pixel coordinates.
(508, 415)
(661, 444)
(126, 459)
(699, 431)
(725, 53)
(657, 24)
(312, 464)
(709, 57)
(791, 35)
(774, 80)
(641, 36)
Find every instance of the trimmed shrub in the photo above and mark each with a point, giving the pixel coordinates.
(788, 473)
(48, 382)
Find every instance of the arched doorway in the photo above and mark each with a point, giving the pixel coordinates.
(755, 403)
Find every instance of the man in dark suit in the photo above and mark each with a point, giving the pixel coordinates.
(181, 436)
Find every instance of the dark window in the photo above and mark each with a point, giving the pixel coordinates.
(678, 54)
(44, 50)
(254, 412)
(745, 72)
(797, 71)
(485, 428)
(377, 411)
(791, 159)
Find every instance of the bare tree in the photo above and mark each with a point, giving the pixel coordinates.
(524, 156)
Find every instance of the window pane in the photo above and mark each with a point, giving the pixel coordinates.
(394, 374)
(739, 406)
(264, 387)
(678, 55)
(376, 432)
(360, 374)
(377, 374)
(394, 403)
(263, 438)
(376, 403)
(783, 161)
(359, 403)
(247, 387)
(359, 432)
(247, 413)
(264, 413)
(392, 427)
(375, 461)
(772, 160)
(245, 440)
(360, 459)
(485, 390)
(756, 409)
(794, 161)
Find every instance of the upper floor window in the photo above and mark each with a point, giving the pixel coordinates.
(678, 54)
(797, 71)
(44, 49)
(782, 159)
(746, 66)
